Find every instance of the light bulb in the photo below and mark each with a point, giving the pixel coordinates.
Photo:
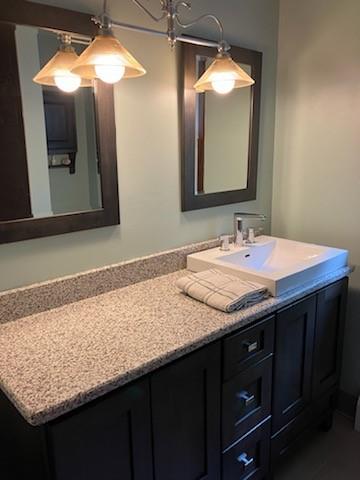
(67, 81)
(223, 82)
(109, 68)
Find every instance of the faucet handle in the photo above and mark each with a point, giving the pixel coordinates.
(251, 235)
(225, 243)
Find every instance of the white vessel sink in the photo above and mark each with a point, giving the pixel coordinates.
(279, 264)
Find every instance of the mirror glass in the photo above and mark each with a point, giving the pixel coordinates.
(60, 133)
(222, 136)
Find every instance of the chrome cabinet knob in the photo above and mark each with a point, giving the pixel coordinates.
(250, 346)
(246, 398)
(243, 458)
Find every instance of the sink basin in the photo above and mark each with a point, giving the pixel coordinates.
(277, 263)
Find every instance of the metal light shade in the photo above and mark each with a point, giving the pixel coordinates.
(225, 69)
(61, 63)
(105, 50)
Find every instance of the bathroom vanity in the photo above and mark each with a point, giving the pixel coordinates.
(144, 383)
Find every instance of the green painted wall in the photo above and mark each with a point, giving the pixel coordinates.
(316, 169)
(316, 186)
(149, 151)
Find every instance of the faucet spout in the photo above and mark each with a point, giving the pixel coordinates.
(247, 226)
(238, 231)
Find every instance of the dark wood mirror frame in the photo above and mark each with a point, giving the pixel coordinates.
(188, 76)
(22, 12)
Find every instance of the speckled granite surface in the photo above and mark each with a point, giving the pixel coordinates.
(44, 296)
(55, 361)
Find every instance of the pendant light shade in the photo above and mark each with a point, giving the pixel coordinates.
(57, 72)
(223, 75)
(107, 59)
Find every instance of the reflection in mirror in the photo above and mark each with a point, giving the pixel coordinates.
(60, 137)
(222, 133)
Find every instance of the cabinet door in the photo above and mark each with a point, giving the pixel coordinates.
(108, 440)
(186, 417)
(60, 122)
(22, 454)
(293, 361)
(330, 321)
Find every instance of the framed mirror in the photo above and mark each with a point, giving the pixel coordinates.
(58, 168)
(220, 132)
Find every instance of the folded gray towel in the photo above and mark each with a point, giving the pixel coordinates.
(221, 290)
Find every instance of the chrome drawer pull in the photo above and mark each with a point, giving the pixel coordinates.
(243, 458)
(250, 346)
(246, 398)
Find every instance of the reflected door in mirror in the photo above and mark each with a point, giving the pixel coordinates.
(60, 122)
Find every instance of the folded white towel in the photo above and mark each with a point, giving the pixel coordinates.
(221, 290)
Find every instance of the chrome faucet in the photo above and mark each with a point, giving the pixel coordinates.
(246, 227)
(238, 231)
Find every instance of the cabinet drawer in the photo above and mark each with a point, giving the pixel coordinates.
(246, 401)
(249, 458)
(248, 347)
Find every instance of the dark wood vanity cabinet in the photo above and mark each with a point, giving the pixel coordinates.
(309, 337)
(229, 411)
(185, 398)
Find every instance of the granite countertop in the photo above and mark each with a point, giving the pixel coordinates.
(55, 361)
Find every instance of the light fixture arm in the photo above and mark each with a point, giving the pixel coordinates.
(207, 16)
(103, 21)
(64, 39)
(223, 45)
(170, 11)
(105, 58)
(147, 11)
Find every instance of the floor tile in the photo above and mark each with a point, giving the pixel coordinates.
(327, 456)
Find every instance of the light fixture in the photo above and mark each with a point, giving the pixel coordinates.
(57, 72)
(223, 75)
(106, 58)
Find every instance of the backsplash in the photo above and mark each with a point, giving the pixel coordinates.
(39, 297)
